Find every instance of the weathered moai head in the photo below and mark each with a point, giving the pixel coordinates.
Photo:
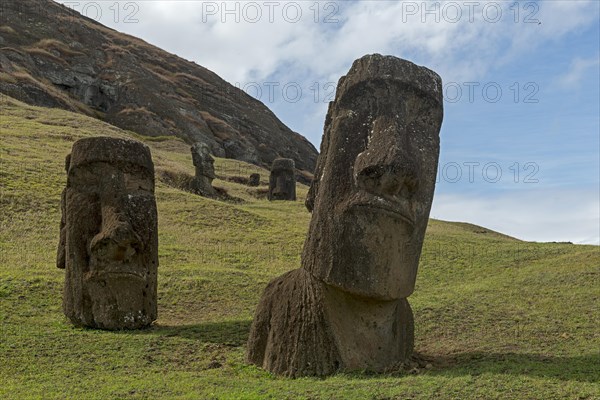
(282, 181)
(375, 178)
(346, 308)
(205, 170)
(203, 161)
(254, 180)
(110, 235)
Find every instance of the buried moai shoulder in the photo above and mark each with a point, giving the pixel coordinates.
(346, 308)
(282, 180)
(109, 237)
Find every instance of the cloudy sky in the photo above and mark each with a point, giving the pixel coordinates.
(520, 139)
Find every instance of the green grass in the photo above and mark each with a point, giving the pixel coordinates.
(497, 318)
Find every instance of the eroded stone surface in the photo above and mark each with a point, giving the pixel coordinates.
(282, 181)
(205, 170)
(109, 235)
(370, 199)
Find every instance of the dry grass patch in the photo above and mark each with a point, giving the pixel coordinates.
(7, 78)
(7, 29)
(53, 44)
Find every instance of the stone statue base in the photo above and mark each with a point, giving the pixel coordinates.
(304, 327)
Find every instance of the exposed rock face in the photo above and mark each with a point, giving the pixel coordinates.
(74, 63)
(346, 308)
(109, 236)
(282, 181)
(254, 180)
(205, 170)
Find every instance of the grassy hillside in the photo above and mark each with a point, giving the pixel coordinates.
(496, 318)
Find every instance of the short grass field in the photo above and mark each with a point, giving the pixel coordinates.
(496, 318)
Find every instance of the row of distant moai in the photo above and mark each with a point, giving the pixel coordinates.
(282, 180)
(346, 307)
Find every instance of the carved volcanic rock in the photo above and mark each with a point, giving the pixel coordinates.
(205, 169)
(53, 56)
(346, 308)
(282, 182)
(109, 235)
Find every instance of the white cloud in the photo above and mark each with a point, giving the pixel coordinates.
(536, 215)
(463, 48)
(577, 70)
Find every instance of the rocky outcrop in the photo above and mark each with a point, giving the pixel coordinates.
(52, 56)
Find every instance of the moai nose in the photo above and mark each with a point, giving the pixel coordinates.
(387, 167)
(117, 240)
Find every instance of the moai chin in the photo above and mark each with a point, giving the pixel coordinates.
(109, 235)
(346, 308)
(282, 181)
(205, 169)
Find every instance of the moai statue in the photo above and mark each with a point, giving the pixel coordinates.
(282, 181)
(109, 236)
(254, 180)
(346, 307)
(205, 170)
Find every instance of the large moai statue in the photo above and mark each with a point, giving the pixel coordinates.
(109, 236)
(282, 181)
(346, 308)
(205, 170)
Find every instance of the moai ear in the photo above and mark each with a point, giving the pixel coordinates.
(67, 162)
(321, 160)
(61, 252)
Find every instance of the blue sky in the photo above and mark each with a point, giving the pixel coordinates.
(542, 133)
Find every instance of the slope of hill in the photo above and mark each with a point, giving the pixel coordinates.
(52, 56)
(496, 318)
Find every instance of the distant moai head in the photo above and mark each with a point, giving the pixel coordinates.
(254, 180)
(110, 235)
(203, 161)
(375, 178)
(282, 181)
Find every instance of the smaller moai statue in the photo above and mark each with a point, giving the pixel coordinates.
(254, 180)
(205, 170)
(282, 181)
(109, 235)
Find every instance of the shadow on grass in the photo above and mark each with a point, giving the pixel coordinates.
(584, 368)
(228, 333)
